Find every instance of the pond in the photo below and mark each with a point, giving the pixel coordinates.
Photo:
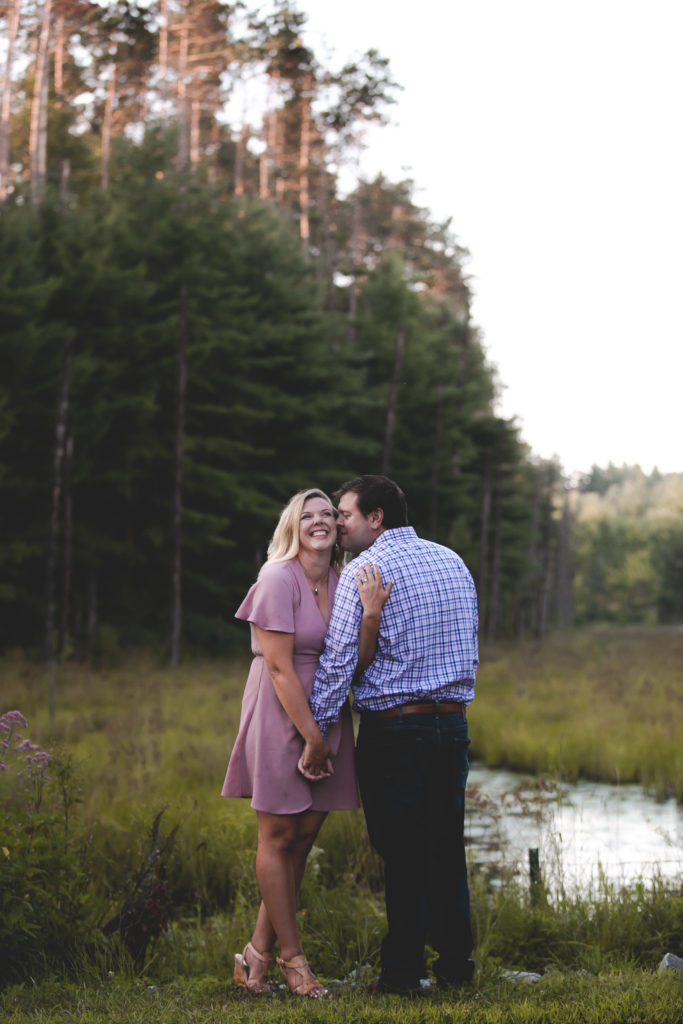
(583, 831)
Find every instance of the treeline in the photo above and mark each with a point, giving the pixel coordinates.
(629, 546)
(172, 373)
(195, 323)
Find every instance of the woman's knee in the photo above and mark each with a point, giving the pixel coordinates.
(290, 834)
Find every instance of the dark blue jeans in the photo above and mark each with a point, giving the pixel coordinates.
(412, 772)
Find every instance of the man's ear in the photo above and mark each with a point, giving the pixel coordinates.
(376, 518)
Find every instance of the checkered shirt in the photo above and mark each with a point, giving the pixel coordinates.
(427, 644)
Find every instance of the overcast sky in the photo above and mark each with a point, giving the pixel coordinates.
(550, 132)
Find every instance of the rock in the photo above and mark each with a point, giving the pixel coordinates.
(520, 976)
(671, 962)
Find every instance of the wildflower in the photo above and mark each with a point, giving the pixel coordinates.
(27, 745)
(11, 718)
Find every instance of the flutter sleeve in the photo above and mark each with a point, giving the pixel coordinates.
(272, 600)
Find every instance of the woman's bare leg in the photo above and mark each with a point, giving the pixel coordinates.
(284, 842)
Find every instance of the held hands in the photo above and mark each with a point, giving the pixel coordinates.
(315, 763)
(373, 595)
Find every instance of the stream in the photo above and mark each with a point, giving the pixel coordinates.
(583, 831)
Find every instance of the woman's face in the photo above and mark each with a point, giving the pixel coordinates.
(317, 526)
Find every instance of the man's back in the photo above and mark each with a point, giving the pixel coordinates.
(427, 642)
(429, 624)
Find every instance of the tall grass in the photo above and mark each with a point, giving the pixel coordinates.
(148, 746)
(597, 704)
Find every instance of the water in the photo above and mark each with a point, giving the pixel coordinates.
(582, 831)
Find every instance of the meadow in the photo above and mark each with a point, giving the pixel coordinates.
(137, 878)
(602, 704)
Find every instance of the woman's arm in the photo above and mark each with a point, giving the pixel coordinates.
(278, 651)
(373, 597)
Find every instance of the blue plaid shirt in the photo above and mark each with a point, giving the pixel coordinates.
(427, 644)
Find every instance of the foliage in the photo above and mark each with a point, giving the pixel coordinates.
(629, 546)
(46, 905)
(273, 402)
(323, 335)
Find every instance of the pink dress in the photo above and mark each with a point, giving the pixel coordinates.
(264, 758)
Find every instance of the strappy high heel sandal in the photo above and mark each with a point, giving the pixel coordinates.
(251, 969)
(300, 979)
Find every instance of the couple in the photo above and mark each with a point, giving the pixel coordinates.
(410, 656)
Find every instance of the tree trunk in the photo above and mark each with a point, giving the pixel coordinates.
(563, 574)
(212, 169)
(484, 545)
(163, 48)
(527, 610)
(5, 102)
(547, 556)
(493, 623)
(106, 129)
(68, 549)
(53, 529)
(357, 260)
(304, 159)
(393, 399)
(183, 158)
(324, 243)
(194, 114)
(176, 539)
(59, 58)
(64, 178)
(92, 614)
(544, 600)
(240, 152)
(267, 161)
(38, 127)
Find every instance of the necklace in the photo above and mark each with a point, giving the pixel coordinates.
(315, 586)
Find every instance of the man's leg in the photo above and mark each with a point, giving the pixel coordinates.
(449, 926)
(393, 771)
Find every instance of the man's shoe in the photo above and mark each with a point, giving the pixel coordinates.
(460, 979)
(380, 987)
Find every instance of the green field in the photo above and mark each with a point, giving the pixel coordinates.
(592, 704)
(136, 744)
(622, 997)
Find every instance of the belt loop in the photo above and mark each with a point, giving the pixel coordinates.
(400, 711)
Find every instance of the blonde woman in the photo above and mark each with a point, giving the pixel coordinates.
(288, 609)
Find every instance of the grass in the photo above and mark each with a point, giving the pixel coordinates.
(605, 705)
(145, 741)
(625, 996)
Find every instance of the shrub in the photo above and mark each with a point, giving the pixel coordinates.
(45, 896)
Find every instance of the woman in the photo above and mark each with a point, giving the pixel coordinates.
(288, 609)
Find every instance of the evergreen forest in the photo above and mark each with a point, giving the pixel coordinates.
(197, 319)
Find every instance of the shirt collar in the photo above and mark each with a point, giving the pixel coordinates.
(388, 538)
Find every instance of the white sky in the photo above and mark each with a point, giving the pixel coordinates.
(551, 132)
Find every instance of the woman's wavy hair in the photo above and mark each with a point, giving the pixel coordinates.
(284, 544)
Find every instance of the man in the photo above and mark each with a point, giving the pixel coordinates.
(412, 742)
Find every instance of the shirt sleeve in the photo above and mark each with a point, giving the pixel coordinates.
(271, 601)
(340, 656)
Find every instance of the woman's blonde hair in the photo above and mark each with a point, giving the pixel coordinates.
(284, 544)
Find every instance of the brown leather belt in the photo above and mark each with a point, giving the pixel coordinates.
(429, 707)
